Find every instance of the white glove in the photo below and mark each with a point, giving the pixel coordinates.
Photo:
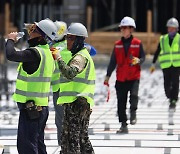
(135, 61)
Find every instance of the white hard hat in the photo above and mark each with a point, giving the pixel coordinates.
(77, 29)
(127, 21)
(48, 27)
(61, 29)
(172, 22)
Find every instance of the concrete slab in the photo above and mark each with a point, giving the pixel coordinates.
(153, 133)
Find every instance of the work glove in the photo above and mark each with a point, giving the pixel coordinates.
(56, 52)
(106, 81)
(135, 61)
(152, 68)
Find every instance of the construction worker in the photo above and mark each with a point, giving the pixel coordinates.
(76, 92)
(169, 58)
(36, 66)
(60, 43)
(127, 56)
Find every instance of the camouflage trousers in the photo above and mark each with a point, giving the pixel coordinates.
(75, 138)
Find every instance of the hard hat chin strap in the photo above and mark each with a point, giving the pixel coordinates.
(49, 41)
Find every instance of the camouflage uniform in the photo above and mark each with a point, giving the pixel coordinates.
(75, 138)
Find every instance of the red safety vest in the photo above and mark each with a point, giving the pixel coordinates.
(125, 71)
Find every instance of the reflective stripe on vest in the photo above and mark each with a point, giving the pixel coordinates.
(66, 56)
(169, 55)
(36, 79)
(80, 81)
(75, 94)
(31, 94)
(35, 86)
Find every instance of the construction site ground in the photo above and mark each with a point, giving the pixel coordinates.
(157, 130)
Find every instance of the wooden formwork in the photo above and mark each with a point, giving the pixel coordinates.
(7, 26)
(104, 41)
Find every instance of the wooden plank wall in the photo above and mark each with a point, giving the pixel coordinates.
(104, 41)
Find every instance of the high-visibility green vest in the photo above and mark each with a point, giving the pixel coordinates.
(169, 55)
(82, 85)
(66, 56)
(35, 86)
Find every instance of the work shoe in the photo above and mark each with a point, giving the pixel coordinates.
(123, 129)
(133, 118)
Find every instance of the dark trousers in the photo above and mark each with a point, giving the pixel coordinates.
(30, 138)
(122, 89)
(171, 82)
(59, 114)
(75, 138)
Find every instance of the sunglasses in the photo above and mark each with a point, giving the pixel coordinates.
(32, 29)
(70, 38)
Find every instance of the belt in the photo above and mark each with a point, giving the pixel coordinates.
(22, 106)
(39, 108)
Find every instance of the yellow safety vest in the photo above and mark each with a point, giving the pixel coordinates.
(82, 85)
(35, 86)
(66, 56)
(169, 55)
